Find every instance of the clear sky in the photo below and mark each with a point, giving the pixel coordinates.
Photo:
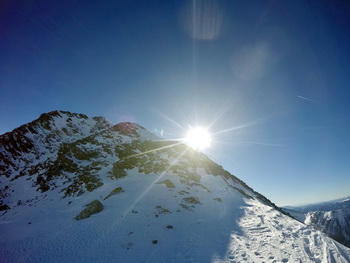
(271, 79)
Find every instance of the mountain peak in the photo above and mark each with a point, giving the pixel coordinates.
(139, 199)
(49, 116)
(128, 128)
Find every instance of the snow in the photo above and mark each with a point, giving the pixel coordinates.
(204, 221)
(330, 217)
(234, 230)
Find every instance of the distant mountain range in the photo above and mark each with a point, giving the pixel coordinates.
(340, 203)
(332, 218)
(81, 189)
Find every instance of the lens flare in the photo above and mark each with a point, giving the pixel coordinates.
(203, 19)
(198, 138)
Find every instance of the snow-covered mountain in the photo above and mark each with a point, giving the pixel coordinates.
(80, 189)
(332, 218)
(341, 203)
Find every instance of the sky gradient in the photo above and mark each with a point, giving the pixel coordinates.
(269, 78)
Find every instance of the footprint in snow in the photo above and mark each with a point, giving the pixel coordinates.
(307, 232)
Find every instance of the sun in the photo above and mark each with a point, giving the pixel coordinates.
(198, 138)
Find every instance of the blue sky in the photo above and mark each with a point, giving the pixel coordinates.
(270, 78)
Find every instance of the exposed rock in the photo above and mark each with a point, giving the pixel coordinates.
(218, 199)
(114, 192)
(168, 183)
(91, 208)
(192, 200)
(4, 207)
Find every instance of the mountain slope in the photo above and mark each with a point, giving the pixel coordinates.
(335, 223)
(156, 201)
(332, 218)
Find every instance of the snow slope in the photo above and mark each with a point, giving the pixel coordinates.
(336, 224)
(172, 205)
(332, 218)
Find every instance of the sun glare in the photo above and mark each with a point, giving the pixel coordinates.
(198, 138)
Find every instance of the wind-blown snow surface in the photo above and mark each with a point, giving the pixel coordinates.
(176, 206)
